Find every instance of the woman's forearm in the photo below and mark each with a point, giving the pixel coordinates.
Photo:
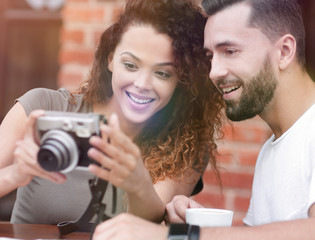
(8, 183)
(146, 204)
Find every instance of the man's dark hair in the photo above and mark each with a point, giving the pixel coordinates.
(274, 18)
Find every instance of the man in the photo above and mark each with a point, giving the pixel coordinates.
(258, 64)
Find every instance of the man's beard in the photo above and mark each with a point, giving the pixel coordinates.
(257, 94)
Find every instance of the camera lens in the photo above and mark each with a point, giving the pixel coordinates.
(58, 152)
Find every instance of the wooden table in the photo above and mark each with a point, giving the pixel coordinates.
(36, 231)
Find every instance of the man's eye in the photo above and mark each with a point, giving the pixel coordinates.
(163, 74)
(209, 56)
(130, 66)
(230, 51)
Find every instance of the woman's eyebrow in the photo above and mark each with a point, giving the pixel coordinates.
(131, 55)
(165, 64)
(138, 59)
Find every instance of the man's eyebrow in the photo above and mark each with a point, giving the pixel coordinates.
(138, 59)
(221, 44)
(225, 43)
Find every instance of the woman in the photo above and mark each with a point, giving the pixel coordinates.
(150, 77)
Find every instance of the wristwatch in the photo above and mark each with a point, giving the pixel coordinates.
(178, 231)
(183, 231)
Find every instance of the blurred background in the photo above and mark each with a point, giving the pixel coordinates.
(51, 43)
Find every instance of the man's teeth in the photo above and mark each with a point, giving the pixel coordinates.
(140, 101)
(229, 89)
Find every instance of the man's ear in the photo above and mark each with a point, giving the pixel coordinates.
(287, 50)
(110, 61)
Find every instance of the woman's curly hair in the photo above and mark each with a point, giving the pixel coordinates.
(182, 136)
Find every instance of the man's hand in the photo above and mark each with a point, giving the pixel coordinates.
(128, 227)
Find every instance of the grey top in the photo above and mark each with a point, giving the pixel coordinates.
(44, 202)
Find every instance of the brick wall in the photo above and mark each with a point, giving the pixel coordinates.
(83, 22)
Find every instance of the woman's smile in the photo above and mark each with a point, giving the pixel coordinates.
(138, 102)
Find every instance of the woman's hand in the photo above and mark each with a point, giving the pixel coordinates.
(122, 165)
(120, 158)
(176, 209)
(25, 165)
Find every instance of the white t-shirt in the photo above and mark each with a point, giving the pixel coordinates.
(284, 181)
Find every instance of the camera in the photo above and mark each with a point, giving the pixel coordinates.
(64, 139)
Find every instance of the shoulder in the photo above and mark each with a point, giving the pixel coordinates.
(48, 99)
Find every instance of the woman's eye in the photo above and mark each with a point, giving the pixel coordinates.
(163, 74)
(130, 66)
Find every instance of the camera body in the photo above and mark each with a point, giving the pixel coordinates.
(64, 139)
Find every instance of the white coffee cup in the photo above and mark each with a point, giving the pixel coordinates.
(209, 217)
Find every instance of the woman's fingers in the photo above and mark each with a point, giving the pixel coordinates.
(116, 137)
(25, 157)
(31, 125)
(123, 151)
(119, 157)
(115, 168)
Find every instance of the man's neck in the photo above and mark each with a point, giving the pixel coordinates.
(294, 96)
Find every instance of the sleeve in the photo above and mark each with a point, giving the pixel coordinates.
(311, 154)
(198, 188)
(248, 220)
(46, 99)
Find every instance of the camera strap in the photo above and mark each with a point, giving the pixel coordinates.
(96, 207)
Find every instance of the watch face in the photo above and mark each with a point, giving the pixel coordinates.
(178, 231)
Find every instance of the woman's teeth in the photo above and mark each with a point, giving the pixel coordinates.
(140, 101)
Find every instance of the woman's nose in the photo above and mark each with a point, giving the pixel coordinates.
(143, 81)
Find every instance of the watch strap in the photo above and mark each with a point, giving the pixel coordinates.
(183, 231)
(178, 231)
(194, 232)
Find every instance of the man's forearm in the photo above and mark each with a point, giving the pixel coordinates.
(289, 230)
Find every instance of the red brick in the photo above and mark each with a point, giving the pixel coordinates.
(230, 179)
(66, 79)
(237, 180)
(83, 14)
(228, 132)
(72, 36)
(224, 155)
(248, 157)
(241, 203)
(83, 57)
(246, 133)
(210, 199)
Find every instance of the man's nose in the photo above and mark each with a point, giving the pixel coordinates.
(218, 69)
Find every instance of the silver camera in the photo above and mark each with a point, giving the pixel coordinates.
(64, 139)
